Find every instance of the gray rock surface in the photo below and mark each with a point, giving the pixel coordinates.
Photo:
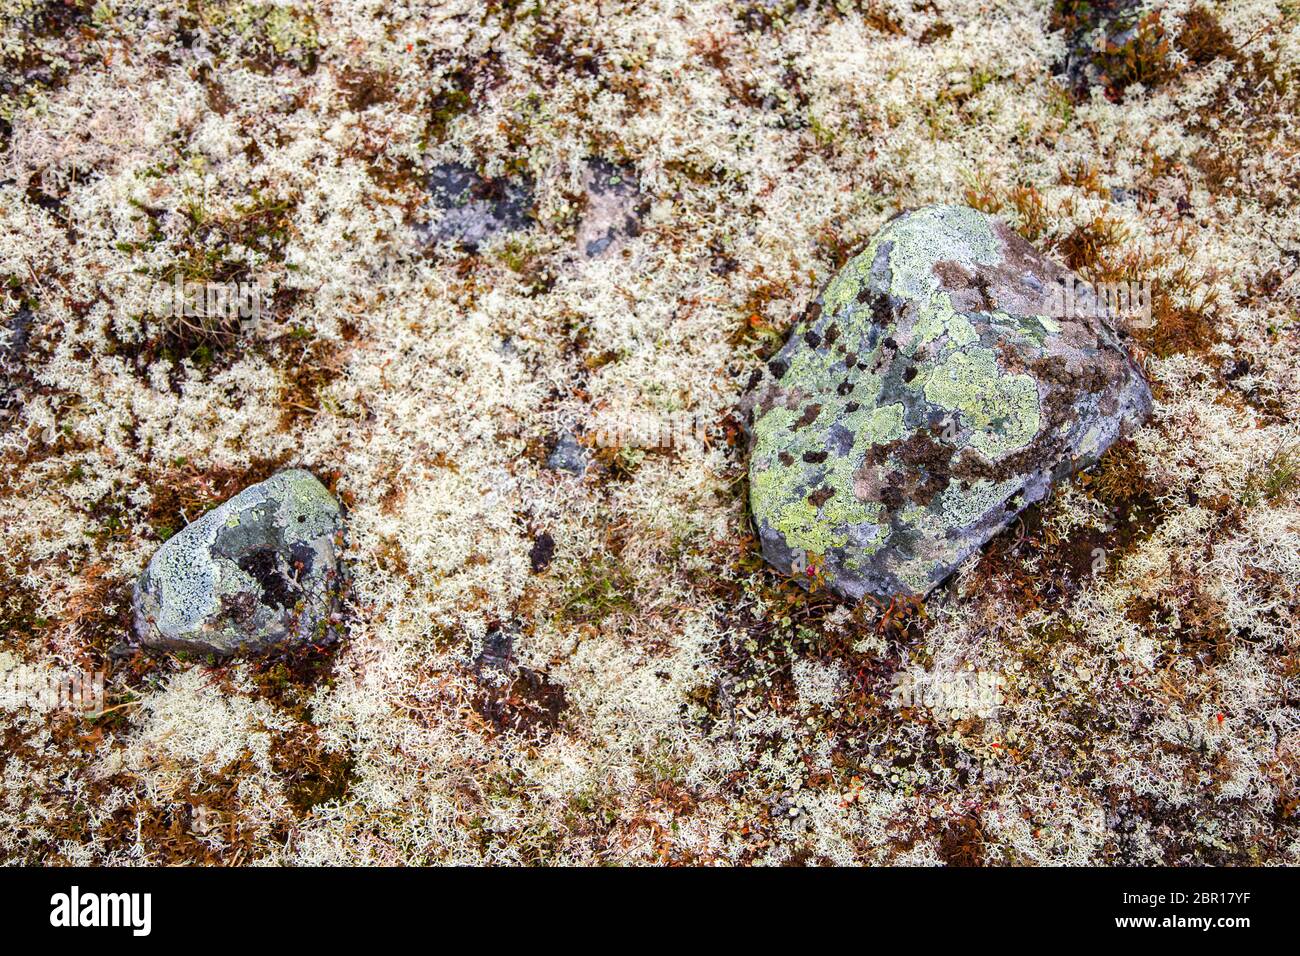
(258, 570)
(468, 209)
(931, 392)
(568, 455)
(612, 214)
(15, 338)
(15, 334)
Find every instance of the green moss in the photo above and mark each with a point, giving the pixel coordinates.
(290, 30)
(1280, 476)
(603, 588)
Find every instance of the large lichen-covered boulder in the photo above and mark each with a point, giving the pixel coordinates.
(258, 570)
(924, 400)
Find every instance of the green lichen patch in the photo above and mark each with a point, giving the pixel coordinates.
(265, 35)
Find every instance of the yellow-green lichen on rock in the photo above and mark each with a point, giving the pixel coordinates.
(258, 570)
(1000, 408)
(923, 400)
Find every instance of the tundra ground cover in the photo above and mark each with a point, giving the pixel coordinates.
(547, 667)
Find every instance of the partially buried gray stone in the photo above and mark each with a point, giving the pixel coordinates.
(469, 209)
(258, 570)
(1100, 25)
(15, 335)
(15, 338)
(568, 455)
(932, 391)
(611, 213)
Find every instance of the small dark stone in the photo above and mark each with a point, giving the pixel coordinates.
(542, 553)
(1235, 368)
(497, 653)
(598, 246)
(568, 455)
(15, 336)
(15, 340)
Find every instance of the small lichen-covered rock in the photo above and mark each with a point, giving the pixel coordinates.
(258, 570)
(925, 399)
